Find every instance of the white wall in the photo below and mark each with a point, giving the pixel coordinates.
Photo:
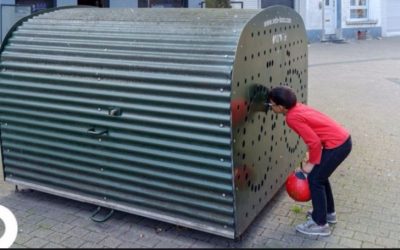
(123, 3)
(390, 18)
(248, 4)
(301, 8)
(7, 1)
(66, 2)
(194, 3)
(313, 15)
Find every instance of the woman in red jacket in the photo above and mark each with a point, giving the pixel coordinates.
(328, 145)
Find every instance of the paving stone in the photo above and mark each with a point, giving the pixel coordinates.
(313, 244)
(27, 228)
(98, 227)
(22, 238)
(256, 230)
(130, 245)
(148, 241)
(57, 237)
(344, 232)
(48, 223)
(390, 226)
(370, 245)
(384, 218)
(19, 214)
(357, 227)
(183, 241)
(246, 242)
(258, 242)
(283, 220)
(167, 244)
(287, 229)
(282, 212)
(91, 245)
(269, 224)
(94, 237)
(62, 227)
(220, 242)
(202, 244)
(53, 245)
(35, 243)
(117, 228)
(172, 234)
(272, 243)
(110, 242)
(18, 246)
(334, 245)
(67, 218)
(34, 219)
(394, 235)
(41, 232)
(350, 242)
(378, 231)
(364, 237)
(78, 231)
(82, 222)
(332, 239)
(387, 242)
(292, 240)
(73, 242)
(129, 236)
(272, 234)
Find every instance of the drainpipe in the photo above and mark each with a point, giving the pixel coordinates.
(321, 7)
(339, 34)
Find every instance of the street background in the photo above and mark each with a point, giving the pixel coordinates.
(358, 84)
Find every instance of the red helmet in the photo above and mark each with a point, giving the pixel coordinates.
(297, 187)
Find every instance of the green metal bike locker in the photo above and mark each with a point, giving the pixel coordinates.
(155, 112)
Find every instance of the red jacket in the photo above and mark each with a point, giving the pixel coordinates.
(317, 130)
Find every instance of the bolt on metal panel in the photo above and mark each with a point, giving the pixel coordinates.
(153, 112)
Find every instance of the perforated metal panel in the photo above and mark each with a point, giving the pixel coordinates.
(272, 51)
(153, 112)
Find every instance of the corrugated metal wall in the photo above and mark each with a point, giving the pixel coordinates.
(125, 107)
(154, 111)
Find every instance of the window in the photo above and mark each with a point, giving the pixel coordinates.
(359, 9)
(37, 5)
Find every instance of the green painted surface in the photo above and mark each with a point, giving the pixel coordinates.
(131, 109)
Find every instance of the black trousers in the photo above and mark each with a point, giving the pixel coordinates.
(321, 192)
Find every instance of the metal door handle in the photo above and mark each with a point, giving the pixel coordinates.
(115, 112)
(92, 131)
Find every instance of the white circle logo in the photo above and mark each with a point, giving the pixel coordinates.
(11, 227)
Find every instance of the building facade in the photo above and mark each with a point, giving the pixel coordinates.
(325, 20)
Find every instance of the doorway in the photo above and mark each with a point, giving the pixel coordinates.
(163, 3)
(329, 17)
(268, 3)
(97, 3)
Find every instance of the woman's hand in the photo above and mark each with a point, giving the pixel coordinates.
(305, 160)
(307, 168)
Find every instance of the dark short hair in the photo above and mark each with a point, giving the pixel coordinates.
(284, 96)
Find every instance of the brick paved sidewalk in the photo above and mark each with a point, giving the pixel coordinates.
(357, 83)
